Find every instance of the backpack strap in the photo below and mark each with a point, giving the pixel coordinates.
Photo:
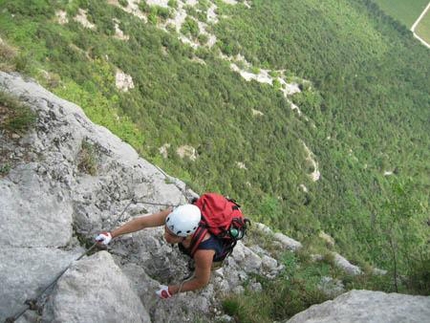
(198, 237)
(228, 249)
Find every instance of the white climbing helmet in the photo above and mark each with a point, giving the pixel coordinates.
(184, 220)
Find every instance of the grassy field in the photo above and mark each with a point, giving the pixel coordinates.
(423, 28)
(406, 11)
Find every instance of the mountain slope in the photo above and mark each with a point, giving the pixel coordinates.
(69, 179)
(363, 118)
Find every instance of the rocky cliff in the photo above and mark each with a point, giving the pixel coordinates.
(52, 204)
(69, 179)
(362, 306)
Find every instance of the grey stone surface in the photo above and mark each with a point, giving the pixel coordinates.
(331, 287)
(95, 290)
(361, 306)
(25, 272)
(287, 242)
(344, 264)
(48, 202)
(29, 210)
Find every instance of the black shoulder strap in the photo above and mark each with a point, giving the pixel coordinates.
(198, 237)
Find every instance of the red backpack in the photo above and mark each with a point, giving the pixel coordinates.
(223, 218)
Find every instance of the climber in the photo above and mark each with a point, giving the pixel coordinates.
(179, 227)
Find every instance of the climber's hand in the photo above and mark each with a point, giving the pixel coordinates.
(104, 238)
(163, 292)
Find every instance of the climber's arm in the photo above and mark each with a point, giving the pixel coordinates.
(142, 222)
(203, 262)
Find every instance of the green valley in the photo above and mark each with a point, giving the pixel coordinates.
(362, 123)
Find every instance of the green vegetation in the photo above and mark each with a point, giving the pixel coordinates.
(190, 27)
(305, 281)
(290, 293)
(423, 28)
(4, 169)
(7, 58)
(173, 4)
(407, 12)
(15, 117)
(358, 110)
(365, 111)
(123, 3)
(87, 159)
(298, 287)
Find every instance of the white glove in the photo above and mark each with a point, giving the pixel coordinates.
(163, 292)
(104, 237)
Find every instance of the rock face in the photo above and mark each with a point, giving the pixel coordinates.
(361, 306)
(52, 205)
(108, 295)
(47, 202)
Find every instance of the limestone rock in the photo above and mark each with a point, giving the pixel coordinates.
(344, 264)
(361, 306)
(287, 242)
(47, 201)
(95, 290)
(25, 272)
(331, 287)
(50, 201)
(26, 197)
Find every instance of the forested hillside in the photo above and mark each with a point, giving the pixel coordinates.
(364, 102)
